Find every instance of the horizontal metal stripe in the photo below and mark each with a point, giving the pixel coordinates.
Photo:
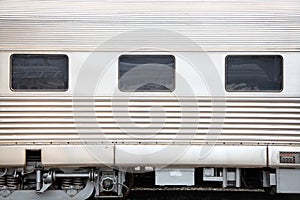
(188, 115)
(139, 115)
(247, 119)
(146, 120)
(145, 104)
(162, 98)
(154, 127)
(213, 25)
(42, 97)
(145, 133)
(133, 111)
(200, 139)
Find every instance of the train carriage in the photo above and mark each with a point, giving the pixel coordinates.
(97, 97)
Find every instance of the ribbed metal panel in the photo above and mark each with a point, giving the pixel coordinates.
(55, 119)
(265, 25)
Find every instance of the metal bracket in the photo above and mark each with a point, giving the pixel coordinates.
(47, 181)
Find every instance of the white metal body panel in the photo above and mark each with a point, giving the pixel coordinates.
(12, 156)
(138, 155)
(191, 155)
(78, 155)
(59, 155)
(274, 160)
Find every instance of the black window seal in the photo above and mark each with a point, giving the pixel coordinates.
(255, 91)
(38, 90)
(162, 91)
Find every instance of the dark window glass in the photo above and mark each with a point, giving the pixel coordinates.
(39, 72)
(254, 73)
(146, 73)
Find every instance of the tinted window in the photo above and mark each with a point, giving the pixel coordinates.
(254, 73)
(39, 72)
(149, 73)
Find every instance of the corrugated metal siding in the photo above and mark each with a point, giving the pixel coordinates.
(247, 120)
(213, 25)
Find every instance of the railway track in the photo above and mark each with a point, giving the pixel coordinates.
(202, 194)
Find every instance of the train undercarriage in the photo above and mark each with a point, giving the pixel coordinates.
(36, 182)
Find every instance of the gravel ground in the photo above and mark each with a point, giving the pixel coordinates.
(207, 195)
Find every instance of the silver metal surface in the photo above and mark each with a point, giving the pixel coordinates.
(273, 179)
(288, 180)
(12, 156)
(215, 25)
(244, 124)
(44, 120)
(57, 155)
(192, 155)
(175, 176)
(72, 175)
(142, 155)
(256, 118)
(274, 156)
(38, 180)
(225, 182)
(238, 178)
(77, 155)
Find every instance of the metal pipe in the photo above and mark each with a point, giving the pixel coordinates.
(238, 177)
(72, 175)
(224, 177)
(38, 180)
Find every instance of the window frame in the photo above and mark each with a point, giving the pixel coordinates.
(38, 90)
(253, 91)
(151, 91)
